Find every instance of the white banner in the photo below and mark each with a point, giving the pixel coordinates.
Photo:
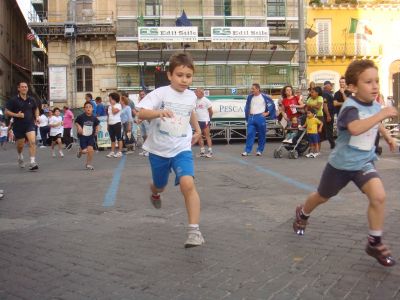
(168, 34)
(228, 108)
(58, 83)
(240, 34)
(103, 137)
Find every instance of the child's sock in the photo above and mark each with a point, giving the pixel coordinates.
(303, 215)
(32, 159)
(209, 149)
(193, 226)
(20, 156)
(374, 237)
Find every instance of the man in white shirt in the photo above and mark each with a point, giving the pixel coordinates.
(256, 110)
(204, 113)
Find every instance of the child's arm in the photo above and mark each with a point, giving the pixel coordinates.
(360, 126)
(149, 114)
(320, 127)
(78, 128)
(195, 125)
(386, 135)
(97, 130)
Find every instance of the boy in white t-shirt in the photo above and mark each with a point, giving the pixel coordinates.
(204, 113)
(170, 110)
(3, 135)
(56, 131)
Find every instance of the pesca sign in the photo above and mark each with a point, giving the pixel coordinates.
(240, 34)
(168, 34)
(228, 108)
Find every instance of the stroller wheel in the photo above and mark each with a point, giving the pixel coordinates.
(278, 153)
(294, 154)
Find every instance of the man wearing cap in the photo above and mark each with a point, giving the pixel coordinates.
(329, 112)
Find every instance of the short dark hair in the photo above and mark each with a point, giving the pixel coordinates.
(65, 107)
(312, 110)
(87, 102)
(317, 89)
(114, 96)
(22, 81)
(98, 99)
(55, 109)
(257, 86)
(89, 95)
(356, 68)
(180, 59)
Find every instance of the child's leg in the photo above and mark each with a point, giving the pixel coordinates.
(192, 199)
(89, 157)
(59, 142)
(316, 148)
(312, 202)
(376, 209)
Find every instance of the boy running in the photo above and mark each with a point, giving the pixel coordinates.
(87, 127)
(353, 158)
(171, 112)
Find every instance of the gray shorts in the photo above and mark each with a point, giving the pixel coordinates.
(333, 180)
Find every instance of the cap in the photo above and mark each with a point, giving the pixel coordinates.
(327, 82)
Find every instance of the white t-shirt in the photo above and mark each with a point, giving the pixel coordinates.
(3, 131)
(114, 119)
(43, 121)
(202, 106)
(171, 136)
(56, 130)
(257, 105)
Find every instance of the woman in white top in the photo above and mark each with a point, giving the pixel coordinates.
(56, 131)
(114, 124)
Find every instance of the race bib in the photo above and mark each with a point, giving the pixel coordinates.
(366, 140)
(178, 125)
(87, 130)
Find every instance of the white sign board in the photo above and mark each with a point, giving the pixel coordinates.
(240, 34)
(183, 34)
(228, 108)
(58, 83)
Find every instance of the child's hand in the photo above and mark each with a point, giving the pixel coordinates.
(195, 138)
(165, 114)
(389, 112)
(392, 144)
(80, 131)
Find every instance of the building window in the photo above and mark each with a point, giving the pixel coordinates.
(276, 8)
(152, 7)
(323, 36)
(224, 75)
(84, 74)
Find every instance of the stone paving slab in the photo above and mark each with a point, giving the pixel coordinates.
(58, 241)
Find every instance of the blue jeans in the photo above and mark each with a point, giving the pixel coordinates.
(256, 124)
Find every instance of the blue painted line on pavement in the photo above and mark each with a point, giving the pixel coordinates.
(111, 194)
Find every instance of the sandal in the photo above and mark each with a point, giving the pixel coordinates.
(381, 253)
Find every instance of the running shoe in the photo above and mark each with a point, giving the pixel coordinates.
(194, 238)
(209, 155)
(381, 253)
(316, 154)
(155, 199)
(258, 153)
(89, 167)
(118, 154)
(21, 163)
(299, 224)
(33, 166)
(111, 154)
(61, 154)
(245, 154)
(42, 147)
(310, 155)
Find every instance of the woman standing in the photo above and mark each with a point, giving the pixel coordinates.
(114, 124)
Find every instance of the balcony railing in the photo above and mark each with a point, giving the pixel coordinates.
(352, 2)
(344, 49)
(85, 16)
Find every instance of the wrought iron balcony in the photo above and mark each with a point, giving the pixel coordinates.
(343, 50)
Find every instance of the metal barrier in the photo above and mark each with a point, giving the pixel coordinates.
(237, 130)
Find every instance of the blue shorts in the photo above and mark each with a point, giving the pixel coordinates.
(204, 124)
(3, 139)
(182, 164)
(20, 130)
(86, 141)
(313, 138)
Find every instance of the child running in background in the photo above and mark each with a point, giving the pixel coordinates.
(314, 126)
(3, 135)
(353, 158)
(87, 127)
(170, 110)
(56, 131)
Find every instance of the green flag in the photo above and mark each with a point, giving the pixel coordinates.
(140, 20)
(353, 25)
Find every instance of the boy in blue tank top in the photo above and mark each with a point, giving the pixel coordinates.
(353, 158)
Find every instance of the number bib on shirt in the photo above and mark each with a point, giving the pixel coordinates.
(366, 140)
(87, 130)
(178, 125)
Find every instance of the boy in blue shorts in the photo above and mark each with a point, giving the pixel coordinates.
(353, 158)
(170, 110)
(87, 127)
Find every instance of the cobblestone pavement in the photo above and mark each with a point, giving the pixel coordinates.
(58, 241)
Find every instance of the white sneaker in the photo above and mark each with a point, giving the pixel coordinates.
(118, 154)
(61, 154)
(111, 154)
(310, 155)
(194, 238)
(245, 154)
(316, 154)
(209, 155)
(42, 147)
(258, 153)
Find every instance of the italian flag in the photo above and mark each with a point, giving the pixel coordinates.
(357, 26)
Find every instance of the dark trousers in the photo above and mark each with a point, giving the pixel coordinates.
(329, 131)
(44, 135)
(67, 137)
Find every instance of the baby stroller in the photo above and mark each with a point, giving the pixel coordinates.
(296, 143)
